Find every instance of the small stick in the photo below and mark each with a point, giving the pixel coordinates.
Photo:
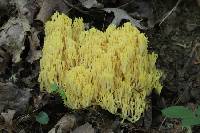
(191, 55)
(124, 5)
(75, 7)
(170, 12)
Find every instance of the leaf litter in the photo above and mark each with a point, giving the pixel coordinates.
(12, 37)
(91, 3)
(20, 50)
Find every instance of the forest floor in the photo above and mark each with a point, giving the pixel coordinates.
(173, 31)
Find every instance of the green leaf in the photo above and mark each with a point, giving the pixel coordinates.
(190, 121)
(178, 112)
(62, 94)
(197, 111)
(42, 118)
(54, 87)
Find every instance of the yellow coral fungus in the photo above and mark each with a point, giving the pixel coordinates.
(111, 69)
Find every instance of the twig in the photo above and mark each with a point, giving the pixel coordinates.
(162, 123)
(75, 7)
(193, 24)
(124, 5)
(170, 12)
(190, 55)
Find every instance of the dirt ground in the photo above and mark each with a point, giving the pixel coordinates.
(174, 37)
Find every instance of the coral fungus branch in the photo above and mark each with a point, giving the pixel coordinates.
(111, 69)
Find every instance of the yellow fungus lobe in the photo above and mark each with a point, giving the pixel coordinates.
(112, 69)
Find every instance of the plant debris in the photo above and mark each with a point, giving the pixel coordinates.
(11, 97)
(27, 8)
(173, 31)
(121, 15)
(35, 50)
(12, 37)
(4, 60)
(65, 124)
(91, 3)
(86, 128)
(49, 7)
(8, 121)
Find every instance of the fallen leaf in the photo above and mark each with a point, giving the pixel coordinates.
(3, 7)
(8, 117)
(91, 3)
(31, 74)
(12, 36)
(3, 3)
(34, 52)
(86, 128)
(27, 8)
(49, 7)
(144, 10)
(11, 97)
(4, 60)
(40, 2)
(8, 121)
(65, 124)
(121, 15)
(41, 100)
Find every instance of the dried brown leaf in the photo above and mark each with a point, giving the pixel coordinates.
(8, 121)
(86, 128)
(12, 36)
(144, 10)
(4, 60)
(49, 7)
(121, 15)
(91, 3)
(3, 6)
(64, 125)
(8, 117)
(11, 97)
(27, 8)
(34, 52)
(41, 100)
